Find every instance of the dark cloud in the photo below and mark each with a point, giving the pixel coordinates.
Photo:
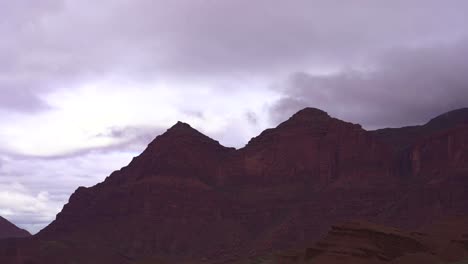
(252, 118)
(131, 138)
(57, 44)
(138, 135)
(404, 86)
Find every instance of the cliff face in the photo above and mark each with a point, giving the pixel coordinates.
(188, 197)
(443, 154)
(442, 140)
(311, 147)
(8, 229)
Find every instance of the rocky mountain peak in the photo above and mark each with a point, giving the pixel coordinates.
(307, 116)
(181, 136)
(182, 127)
(180, 151)
(310, 112)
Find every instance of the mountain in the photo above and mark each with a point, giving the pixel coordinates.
(7, 230)
(188, 198)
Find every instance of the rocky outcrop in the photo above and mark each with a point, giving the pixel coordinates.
(367, 243)
(8, 230)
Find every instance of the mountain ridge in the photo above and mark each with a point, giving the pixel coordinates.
(187, 196)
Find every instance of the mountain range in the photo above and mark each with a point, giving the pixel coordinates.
(188, 199)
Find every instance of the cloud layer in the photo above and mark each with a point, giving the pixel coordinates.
(60, 44)
(403, 87)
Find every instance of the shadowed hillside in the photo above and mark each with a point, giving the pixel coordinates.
(8, 230)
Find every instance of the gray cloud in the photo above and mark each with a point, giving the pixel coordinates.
(125, 139)
(23, 76)
(195, 113)
(404, 86)
(133, 135)
(252, 118)
(58, 44)
(21, 98)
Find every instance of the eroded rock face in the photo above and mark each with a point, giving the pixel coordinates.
(443, 154)
(188, 197)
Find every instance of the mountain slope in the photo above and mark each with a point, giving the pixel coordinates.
(8, 229)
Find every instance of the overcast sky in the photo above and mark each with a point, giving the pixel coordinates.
(85, 85)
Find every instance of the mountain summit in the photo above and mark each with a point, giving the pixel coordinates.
(181, 151)
(308, 115)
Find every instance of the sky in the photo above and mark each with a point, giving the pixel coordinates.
(86, 85)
